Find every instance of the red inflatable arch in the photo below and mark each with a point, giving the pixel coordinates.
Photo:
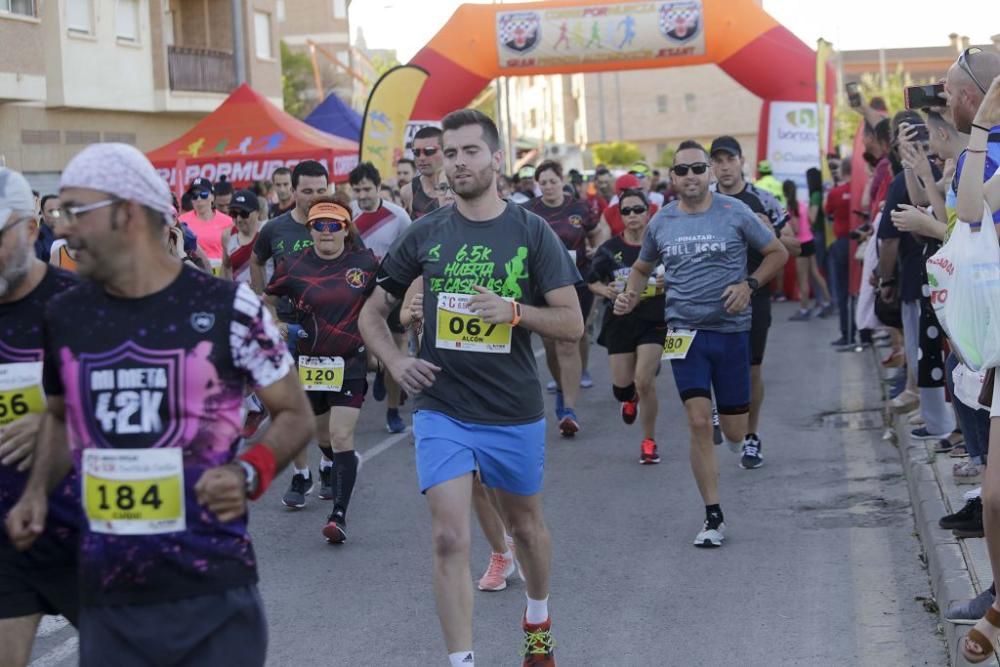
(482, 42)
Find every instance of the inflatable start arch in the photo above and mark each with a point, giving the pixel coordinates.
(482, 42)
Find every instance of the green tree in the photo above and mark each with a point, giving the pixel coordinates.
(382, 63)
(666, 158)
(617, 153)
(296, 79)
(871, 85)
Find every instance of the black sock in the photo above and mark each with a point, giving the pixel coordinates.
(713, 512)
(623, 394)
(327, 451)
(993, 589)
(345, 473)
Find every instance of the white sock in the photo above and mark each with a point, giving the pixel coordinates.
(974, 493)
(508, 540)
(538, 611)
(462, 659)
(325, 463)
(303, 471)
(732, 444)
(508, 555)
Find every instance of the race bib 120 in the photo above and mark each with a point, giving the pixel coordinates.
(321, 373)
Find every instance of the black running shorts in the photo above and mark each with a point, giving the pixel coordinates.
(760, 322)
(42, 580)
(622, 335)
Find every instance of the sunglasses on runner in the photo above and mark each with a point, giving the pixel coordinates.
(698, 168)
(963, 62)
(328, 225)
(238, 213)
(417, 152)
(637, 210)
(203, 194)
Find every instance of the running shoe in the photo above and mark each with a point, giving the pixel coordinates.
(712, 534)
(552, 386)
(393, 422)
(325, 483)
(378, 387)
(300, 487)
(568, 425)
(560, 406)
(800, 316)
(716, 428)
(630, 410)
(335, 530)
(585, 380)
(650, 454)
(970, 516)
(826, 311)
(970, 611)
(495, 578)
(539, 647)
(752, 458)
(923, 434)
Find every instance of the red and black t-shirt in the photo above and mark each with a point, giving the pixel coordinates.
(329, 294)
(572, 222)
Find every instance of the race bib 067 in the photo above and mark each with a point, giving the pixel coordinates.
(460, 329)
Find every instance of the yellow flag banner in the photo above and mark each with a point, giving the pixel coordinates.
(823, 49)
(390, 104)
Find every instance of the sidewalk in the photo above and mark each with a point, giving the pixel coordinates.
(959, 568)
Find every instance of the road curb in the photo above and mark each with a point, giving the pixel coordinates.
(946, 565)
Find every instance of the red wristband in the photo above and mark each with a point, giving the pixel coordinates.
(262, 459)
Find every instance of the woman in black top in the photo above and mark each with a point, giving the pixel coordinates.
(634, 341)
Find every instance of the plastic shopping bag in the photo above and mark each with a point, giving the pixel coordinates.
(964, 279)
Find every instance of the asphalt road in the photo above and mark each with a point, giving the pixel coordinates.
(820, 567)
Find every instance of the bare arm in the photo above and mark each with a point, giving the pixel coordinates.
(775, 256)
(292, 423)
(412, 374)
(406, 196)
(559, 320)
(971, 191)
(227, 264)
(790, 240)
(256, 273)
(638, 278)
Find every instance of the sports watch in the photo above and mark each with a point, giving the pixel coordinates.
(252, 480)
(752, 282)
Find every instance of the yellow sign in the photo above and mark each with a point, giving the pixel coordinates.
(20, 391)
(321, 373)
(134, 491)
(383, 134)
(460, 329)
(678, 344)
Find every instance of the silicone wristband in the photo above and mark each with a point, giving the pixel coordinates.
(516, 317)
(261, 458)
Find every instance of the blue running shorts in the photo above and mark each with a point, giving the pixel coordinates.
(718, 362)
(509, 458)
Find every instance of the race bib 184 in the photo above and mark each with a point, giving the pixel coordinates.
(20, 391)
(460, 329)
(321, 373)
(134, 491)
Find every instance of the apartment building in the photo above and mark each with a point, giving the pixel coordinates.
(76, 72)
(322, 30)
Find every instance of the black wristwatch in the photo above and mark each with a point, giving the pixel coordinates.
(752, 282)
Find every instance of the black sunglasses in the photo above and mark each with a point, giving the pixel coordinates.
(629, 210)
(698, 168)
(235, 212)
(963, 62)
(202, 194)
(425, 151)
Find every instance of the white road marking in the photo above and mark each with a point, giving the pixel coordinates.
(57, 655)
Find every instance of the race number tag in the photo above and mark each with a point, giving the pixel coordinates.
(459, 329)
(134, 491)
(321, 373)
(678, 344)
(20, 391)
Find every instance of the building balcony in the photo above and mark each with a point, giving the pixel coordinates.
(200, 70)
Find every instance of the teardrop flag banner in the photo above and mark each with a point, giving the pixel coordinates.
(383, 130)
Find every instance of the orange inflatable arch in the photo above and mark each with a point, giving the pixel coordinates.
(482, 42)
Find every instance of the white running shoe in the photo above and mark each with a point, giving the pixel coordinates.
(709, 537)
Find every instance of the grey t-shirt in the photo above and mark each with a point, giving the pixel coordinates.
(281, 235)
(516, 255)
(702, 254)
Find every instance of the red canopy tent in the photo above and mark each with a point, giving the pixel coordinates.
(245, 140)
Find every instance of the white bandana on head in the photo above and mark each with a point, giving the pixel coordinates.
(15, 196)
(121, 171)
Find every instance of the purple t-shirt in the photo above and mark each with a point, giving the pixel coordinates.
(20, 352)
(168, 370)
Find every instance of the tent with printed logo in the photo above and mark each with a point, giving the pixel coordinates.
(245, 140)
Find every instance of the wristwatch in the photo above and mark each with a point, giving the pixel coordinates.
(251, 474)
(752, 282)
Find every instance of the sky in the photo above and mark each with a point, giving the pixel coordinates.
(407, 25)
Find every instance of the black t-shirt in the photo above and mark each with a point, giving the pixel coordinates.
(911, 251)
(613, 263)
(280, 236)
(275, 210)
(572, 222)
(154, 391)
(21, 357)
(754, 256)
(328, 294)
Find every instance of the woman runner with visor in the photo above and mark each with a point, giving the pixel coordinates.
(327, 284)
